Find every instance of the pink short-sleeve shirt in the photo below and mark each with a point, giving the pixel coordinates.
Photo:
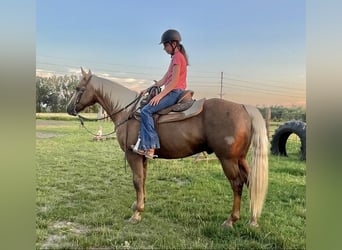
(178, 59)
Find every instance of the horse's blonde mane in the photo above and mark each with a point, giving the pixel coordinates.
(118, 95)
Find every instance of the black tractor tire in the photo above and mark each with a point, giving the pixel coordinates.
(282, 133)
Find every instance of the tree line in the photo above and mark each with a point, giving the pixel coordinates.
(280, 113)
(53, 94)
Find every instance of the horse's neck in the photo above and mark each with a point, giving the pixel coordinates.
(112, 96)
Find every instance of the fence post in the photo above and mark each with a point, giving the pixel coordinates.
(268, 121)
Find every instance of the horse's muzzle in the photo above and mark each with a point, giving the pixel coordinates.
(71, 110)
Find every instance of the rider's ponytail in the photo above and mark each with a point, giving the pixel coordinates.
(182, 50)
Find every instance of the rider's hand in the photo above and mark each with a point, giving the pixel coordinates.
(155, 100)
(143, 92)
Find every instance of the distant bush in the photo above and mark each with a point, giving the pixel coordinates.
(281, 114)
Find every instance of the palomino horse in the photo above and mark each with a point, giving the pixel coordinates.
(228, 129)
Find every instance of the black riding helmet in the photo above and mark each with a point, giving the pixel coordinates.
(170, 35)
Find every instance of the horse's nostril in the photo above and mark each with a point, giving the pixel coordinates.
(71, 110)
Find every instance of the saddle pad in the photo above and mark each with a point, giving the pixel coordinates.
(194, 110)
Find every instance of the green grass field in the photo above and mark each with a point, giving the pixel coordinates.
(85, 191)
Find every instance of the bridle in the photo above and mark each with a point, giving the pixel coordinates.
(80, 92)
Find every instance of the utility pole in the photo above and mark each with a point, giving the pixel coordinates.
(221, 84)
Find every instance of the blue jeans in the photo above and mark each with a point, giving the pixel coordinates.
(148, 135)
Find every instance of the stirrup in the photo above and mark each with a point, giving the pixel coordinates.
(143, 153)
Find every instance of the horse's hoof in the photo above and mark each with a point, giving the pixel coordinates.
(227, 224)
(135, 219)
(254, 224)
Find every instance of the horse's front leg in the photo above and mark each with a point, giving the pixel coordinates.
(134, 205)
(139, 176)
(145, 174)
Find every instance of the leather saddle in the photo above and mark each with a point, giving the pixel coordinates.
(185, 108)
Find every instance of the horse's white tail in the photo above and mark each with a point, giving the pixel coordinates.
(258, 175)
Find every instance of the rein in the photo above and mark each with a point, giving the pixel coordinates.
(153, 91)
(82, 118)
(82, 123)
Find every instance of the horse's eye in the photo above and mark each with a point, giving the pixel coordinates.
(80, 89)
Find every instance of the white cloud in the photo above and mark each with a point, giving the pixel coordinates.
(74, 71)
(44, 73)
(131, 83)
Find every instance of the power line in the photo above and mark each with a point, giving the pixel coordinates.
(260, 87)
(191, 70)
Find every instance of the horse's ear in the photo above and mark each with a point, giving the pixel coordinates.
(89, 73)
(83, 72)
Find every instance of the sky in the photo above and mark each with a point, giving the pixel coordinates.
(258, 47)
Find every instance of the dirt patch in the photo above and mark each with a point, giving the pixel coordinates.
(70, 226)
(53, 241)
(52, 123)
(181, 181)
(41, 124)
(43, 135)
(58, 239)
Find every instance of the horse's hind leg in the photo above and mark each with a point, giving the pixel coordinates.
(232, 172)
(244, 169)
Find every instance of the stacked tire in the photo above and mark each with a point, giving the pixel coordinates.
(282, 133)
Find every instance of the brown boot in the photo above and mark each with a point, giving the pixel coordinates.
(149, 153)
